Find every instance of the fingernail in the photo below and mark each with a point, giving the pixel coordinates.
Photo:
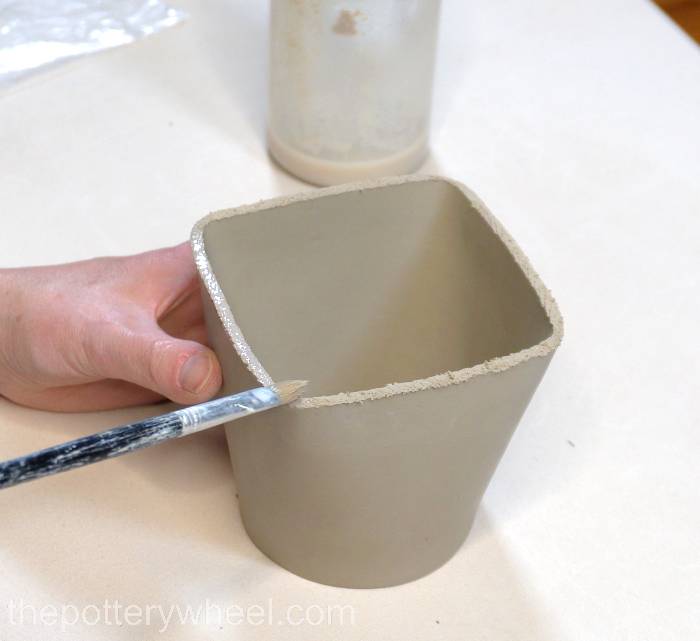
(195, 373)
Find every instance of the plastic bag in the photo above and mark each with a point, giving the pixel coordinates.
(35, 33)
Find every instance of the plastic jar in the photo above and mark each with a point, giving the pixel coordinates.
(350, 86)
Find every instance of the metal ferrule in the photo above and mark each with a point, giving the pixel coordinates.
(200, 417)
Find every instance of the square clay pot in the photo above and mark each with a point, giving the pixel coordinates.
(423, 331)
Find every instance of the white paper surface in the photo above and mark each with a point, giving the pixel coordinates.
(577, 122)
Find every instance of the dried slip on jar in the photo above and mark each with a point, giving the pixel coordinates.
(350, 86)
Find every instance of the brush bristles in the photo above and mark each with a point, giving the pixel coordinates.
(289, 391)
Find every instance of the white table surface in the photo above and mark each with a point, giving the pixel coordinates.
(578, 122)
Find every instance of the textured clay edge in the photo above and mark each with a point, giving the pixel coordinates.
(498, 364)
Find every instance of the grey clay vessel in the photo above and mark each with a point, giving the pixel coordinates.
(423, 331)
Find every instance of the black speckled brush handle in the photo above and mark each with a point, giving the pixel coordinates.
(89, 449)
(127, 438)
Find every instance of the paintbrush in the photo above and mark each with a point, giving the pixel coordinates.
(151, 431)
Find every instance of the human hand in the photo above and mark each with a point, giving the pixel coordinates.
(105, 333)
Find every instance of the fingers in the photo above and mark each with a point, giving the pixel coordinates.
(158, 280)
(173, 274)
(197, 333)
(88, 397)
(170, 360)
(182, 370)
(187, 313)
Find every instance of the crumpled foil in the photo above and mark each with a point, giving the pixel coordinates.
(36, 33)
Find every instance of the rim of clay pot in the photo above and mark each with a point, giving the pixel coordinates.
(497, 364)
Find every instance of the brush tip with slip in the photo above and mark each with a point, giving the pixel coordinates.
(290, 391)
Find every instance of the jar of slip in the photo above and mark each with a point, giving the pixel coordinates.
(350, 86)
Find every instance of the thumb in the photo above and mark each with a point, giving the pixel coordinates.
(184, 371)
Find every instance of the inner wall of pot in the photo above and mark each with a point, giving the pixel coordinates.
(358, 290)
